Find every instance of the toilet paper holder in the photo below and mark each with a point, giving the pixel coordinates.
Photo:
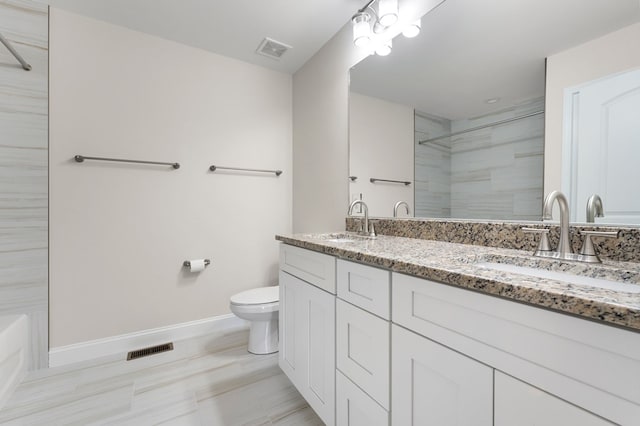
(187, 263)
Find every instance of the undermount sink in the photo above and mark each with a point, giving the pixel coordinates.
(623, 281)
(344, 238)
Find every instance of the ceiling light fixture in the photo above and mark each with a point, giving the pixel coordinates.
(361, 29)
(387, 12)
(413, 30)
(384, 48)
(370, 24)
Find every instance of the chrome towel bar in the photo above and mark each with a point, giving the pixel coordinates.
(404, 182)
(214, 168)
(25, 65)
(81, 158)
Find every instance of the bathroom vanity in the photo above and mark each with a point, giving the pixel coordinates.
(406, 331)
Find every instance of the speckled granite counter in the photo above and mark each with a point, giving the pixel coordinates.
(458, 265)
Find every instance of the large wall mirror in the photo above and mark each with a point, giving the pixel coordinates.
(467, 120)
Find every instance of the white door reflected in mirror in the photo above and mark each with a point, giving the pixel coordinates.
(601, 146)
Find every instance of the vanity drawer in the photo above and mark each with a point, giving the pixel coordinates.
(363, 351)
(366, 287)
(313, 267)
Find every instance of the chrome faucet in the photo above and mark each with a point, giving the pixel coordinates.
(397, 206)
(564, 246)
(587, 251)
(594, 208)
(365, 231)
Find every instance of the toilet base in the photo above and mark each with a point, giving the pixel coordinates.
(263, 337)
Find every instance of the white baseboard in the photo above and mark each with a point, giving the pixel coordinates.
(124, 343)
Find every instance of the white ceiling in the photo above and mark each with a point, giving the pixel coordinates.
(470, 51)
(232, 28)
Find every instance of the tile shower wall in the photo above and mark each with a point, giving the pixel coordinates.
(496, 172)
(432, 167)
(23, 170)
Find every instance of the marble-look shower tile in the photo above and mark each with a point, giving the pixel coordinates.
(23, 170)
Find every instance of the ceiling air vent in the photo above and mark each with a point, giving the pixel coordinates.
(149, 351)
(271, 48)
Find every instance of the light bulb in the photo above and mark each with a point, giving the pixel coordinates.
(387, 12)
(384, 48)
(413, 29)
(361, 29)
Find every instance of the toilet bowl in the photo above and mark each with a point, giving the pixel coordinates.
(260, 307)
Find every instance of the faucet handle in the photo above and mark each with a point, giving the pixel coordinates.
(588, 250)
(543, 245)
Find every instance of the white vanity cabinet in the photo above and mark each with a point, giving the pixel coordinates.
(307, 327)
(362, 344)
(394, 349)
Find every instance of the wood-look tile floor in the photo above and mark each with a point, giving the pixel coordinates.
(210, 380)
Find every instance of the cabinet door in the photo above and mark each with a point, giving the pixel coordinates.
(434, 385)
(354, 407)
(292, 330)
(307, 343)
(362, 350)
(518, 403)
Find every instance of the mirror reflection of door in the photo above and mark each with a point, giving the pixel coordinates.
(602, 143)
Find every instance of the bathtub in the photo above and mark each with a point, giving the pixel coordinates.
(14, 336)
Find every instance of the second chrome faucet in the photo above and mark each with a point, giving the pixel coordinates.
(564, 250)
(397, 206)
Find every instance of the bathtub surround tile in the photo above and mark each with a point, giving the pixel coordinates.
(208, 380)
(24, 170)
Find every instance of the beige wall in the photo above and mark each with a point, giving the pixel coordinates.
(320, 133)
(119, 233)
(612, 53)
(381, 145)
(320, 129)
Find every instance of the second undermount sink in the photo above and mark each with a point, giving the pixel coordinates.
(622, 281)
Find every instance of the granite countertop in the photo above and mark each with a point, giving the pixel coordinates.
(458, 265)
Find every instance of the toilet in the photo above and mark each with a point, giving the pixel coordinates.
(260, 307)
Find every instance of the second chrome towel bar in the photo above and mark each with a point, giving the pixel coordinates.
(404, 182)
(214, 168)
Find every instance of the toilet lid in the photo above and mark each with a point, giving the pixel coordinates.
(257, 296)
